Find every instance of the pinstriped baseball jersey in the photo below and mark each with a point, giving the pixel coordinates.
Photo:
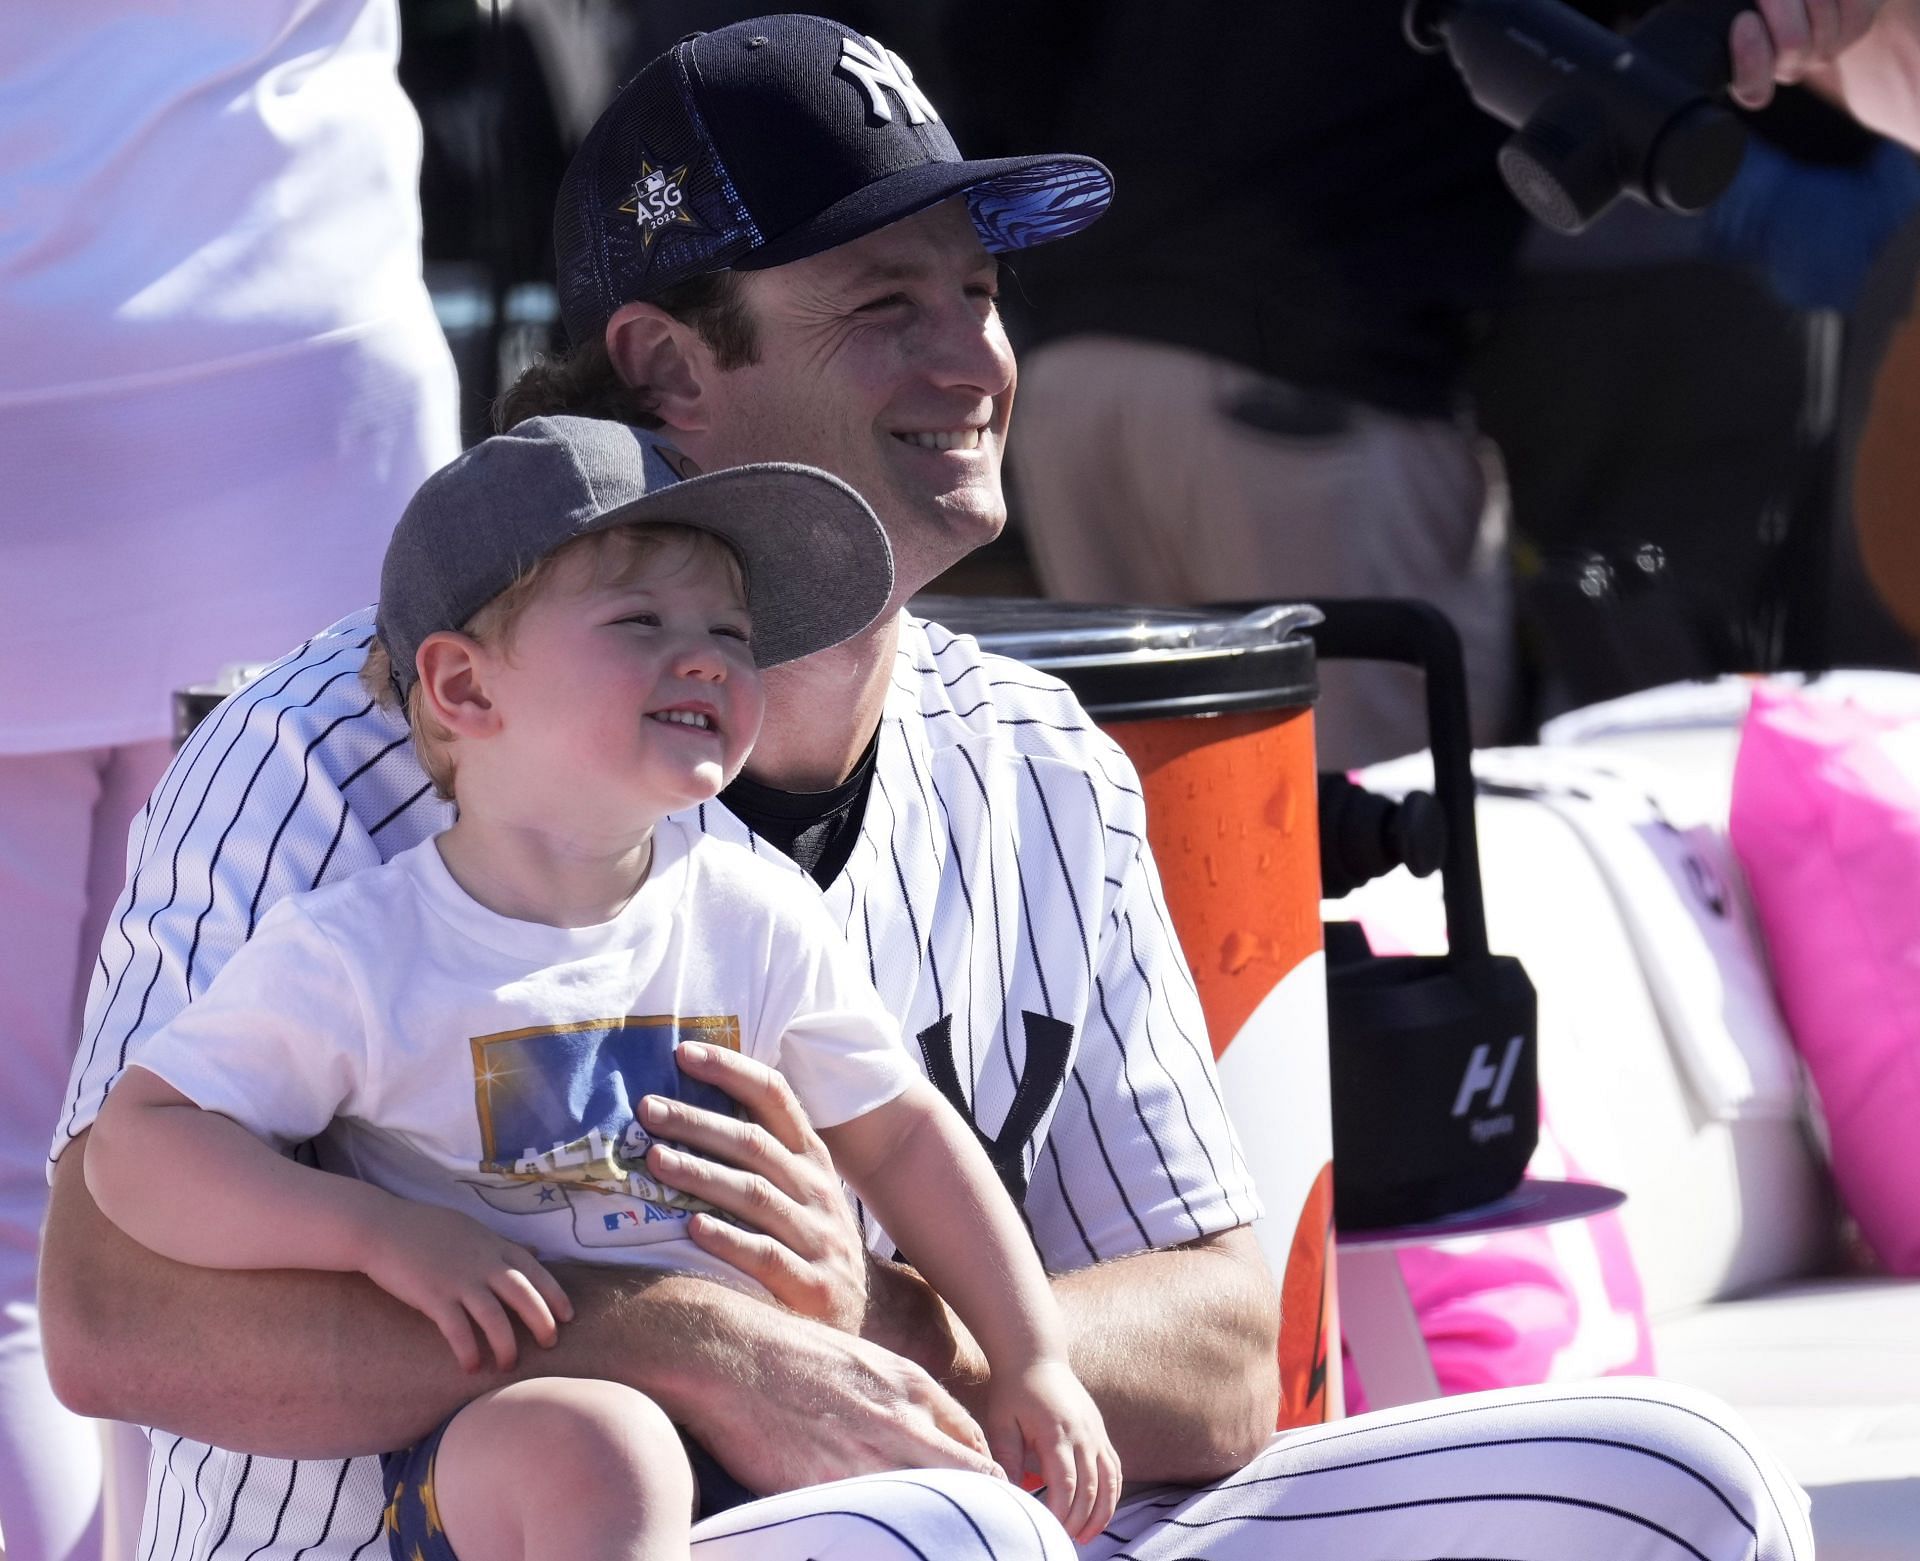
(1001, 892)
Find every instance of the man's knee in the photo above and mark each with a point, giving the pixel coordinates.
(914, 1512)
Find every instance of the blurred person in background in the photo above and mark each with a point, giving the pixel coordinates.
(220, 381)
(1678, 403)
(1250, 380)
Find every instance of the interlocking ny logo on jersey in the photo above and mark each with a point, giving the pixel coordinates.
(659, 202)
(1049, 1049)
(877, 67)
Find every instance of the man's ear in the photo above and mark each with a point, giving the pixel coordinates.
(665, 360)
(452, 670)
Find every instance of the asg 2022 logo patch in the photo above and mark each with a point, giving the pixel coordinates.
(658, 203)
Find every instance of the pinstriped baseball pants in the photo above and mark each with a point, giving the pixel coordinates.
(1622, 1470)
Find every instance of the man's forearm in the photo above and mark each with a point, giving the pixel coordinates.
(1177, 1348)
(310, 1365)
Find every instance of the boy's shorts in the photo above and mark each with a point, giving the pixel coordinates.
(412, 1521)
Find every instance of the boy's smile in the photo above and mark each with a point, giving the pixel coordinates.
(626, 691)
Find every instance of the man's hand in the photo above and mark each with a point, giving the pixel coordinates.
(809, 1404)
(1785, 41)
(771, 1171)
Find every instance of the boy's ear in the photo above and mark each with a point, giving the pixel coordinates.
(666, 360)
(452, 671)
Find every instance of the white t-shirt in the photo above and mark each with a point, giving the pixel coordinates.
(220, 373)
(458, 1057)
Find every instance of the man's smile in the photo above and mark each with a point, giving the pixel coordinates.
(943, 439)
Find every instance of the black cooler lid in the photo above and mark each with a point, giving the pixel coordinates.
(1145, 663)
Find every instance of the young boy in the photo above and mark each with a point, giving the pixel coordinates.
(473, 1031)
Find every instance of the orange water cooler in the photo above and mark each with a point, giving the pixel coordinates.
(1216, 712)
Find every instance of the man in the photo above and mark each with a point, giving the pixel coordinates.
(764, 252)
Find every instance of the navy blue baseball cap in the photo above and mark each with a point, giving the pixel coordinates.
(771, 140)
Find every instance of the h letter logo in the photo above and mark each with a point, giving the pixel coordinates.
(1480, 1075)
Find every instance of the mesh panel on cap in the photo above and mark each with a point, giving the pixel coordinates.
(650, 204)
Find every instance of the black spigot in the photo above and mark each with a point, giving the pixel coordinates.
(1364, 835)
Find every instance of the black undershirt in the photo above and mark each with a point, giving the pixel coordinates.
(816, 828)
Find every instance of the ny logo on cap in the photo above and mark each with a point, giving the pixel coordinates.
(877, 66)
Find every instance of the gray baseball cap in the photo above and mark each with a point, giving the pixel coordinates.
(817, 564)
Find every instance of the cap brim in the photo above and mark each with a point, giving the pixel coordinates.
(1015, 202)
(818, 566)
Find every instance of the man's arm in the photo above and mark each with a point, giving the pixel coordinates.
(309, 1365)
(1205, 1313)
(1177, 1347)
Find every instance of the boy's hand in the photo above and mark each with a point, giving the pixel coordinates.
(462, 1276)
(1042, 1421)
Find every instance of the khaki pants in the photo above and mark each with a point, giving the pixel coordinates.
(1150, 474)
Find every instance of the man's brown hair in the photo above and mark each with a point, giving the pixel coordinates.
(583, 382)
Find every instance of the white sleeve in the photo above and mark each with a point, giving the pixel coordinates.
(1140, 1153)
(297, 780)
(838, 1046)
(278, 1042)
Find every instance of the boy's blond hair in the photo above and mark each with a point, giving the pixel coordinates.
(616, 555)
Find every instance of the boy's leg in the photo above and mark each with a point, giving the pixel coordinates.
(562, 1466)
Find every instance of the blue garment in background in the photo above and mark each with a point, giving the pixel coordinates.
(1813, 230)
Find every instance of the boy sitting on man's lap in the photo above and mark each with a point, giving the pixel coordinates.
(481, 1032)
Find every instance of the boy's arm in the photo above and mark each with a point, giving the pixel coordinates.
(918, 1167)
(199, 1188)
(1199, 1302)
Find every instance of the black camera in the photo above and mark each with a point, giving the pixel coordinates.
(1595, 112)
